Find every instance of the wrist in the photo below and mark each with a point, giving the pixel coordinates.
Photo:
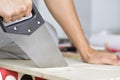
(86, 53)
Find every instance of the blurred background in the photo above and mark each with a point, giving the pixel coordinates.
(100, 21)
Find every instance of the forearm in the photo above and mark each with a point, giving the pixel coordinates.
(64, 12)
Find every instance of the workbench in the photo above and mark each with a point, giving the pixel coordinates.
(75, 71)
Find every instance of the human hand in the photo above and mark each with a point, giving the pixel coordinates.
(11, 10)
(102, 58)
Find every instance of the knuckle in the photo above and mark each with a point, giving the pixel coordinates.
(23, 8)
(13, 19)
(30, 3)
(17, 12)
(7, 19)
(8, 15)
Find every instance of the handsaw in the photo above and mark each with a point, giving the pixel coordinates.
(33, 37)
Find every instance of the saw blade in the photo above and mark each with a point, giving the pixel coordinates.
(40, 47)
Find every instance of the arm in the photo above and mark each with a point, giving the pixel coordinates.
(65, 14)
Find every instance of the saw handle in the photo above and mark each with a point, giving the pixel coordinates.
(26, 25)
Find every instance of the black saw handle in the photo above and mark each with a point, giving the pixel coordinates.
(26, 26)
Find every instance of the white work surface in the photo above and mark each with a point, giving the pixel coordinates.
(76, 71)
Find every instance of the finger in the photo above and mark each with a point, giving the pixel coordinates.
(117, 63)
(29, 9)
(23, 12)
(7, 17)
(106, 47)
(16, 14)
(112, 56)
(19, 13)
(109, 61)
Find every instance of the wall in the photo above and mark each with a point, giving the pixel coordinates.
(105, 15)
(95, 16)
(48, 17)
(83, 9)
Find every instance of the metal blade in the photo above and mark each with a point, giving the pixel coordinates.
(40, 47)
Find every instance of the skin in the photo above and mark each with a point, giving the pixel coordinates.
(65, 14)
(12, 10)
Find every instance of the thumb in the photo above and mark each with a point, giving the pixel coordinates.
(106, 47)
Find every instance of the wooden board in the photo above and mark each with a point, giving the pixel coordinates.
(78, 71)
